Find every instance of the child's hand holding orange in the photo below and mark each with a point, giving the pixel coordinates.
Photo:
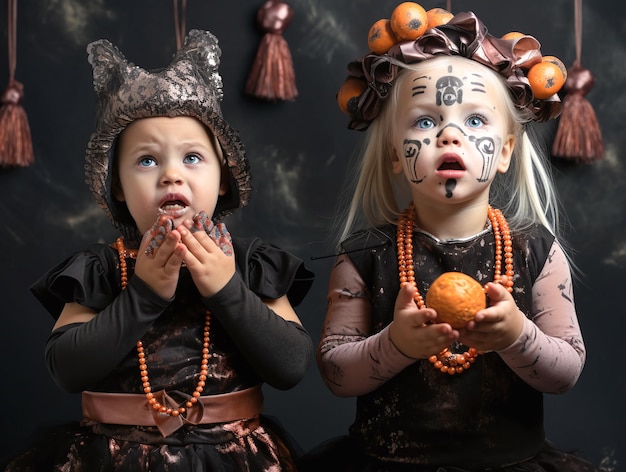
(412, 330)
(496, 327)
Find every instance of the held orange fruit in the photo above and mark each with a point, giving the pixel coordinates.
(546, 79)
(381, 37)
(456, 297)
(409, 21)
(438, 16)
(351, 88)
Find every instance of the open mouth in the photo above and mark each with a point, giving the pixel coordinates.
(451, 165)
(173, 205)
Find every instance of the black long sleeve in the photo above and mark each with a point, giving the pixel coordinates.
(79, 355)
(279, 350)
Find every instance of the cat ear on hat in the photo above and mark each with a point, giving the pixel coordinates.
(202, 50)
(108, 64)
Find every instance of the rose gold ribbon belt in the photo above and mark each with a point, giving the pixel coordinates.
(133, 409)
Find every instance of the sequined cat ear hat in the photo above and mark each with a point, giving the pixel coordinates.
(189, 86)
(412, 35)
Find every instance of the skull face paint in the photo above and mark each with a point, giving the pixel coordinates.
(450, 185)
(450, 130)
(449, 90)
(411, 152)
(487, 147)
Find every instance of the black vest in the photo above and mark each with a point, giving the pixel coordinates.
(485, 417)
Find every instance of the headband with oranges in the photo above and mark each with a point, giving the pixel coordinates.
(413, 34)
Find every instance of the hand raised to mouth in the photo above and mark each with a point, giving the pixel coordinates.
(162, 227)
(218, 233)
(200, 222)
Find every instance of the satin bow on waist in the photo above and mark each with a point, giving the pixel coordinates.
(133, 409)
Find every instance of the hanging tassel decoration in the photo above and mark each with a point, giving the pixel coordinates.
(272, 76)
(16, 147)
(578, 136)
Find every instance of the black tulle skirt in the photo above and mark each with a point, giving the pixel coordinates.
(100, 448)
(342, 455)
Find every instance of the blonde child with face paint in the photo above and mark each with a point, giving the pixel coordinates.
(449, 180)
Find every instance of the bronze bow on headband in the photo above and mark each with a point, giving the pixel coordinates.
(464, 35)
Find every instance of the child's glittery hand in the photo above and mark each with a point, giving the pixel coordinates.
(221, 236)
(162, 227)
(218, 233)
(201, 222)
(209, 255)
(160, 257)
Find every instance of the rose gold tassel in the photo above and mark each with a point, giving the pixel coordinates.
(578, 135)
(272, 76)
(16, 148)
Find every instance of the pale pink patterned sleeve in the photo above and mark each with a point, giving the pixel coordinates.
(549, 354)
(350, 360)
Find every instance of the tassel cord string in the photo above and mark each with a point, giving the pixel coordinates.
(578, 30)
(12, 37)
(179, 22)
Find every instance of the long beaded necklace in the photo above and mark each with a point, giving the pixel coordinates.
(447, 361)
(143, 366)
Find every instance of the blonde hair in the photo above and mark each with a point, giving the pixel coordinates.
(525, 193)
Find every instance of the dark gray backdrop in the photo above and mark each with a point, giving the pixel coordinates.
(300, 154)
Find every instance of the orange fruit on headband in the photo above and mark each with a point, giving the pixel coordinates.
(513, 35)
(546, 78)
(409, 21)
(456, 297)
(381, 37)
(351, 88)
(438, 16)
(555, 60)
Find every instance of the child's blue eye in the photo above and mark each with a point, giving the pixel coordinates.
(424, 123)
(147, 161)
(475, 121)
(191, 159)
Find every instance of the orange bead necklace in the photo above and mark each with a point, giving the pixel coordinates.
(447, 361)
(143, 366)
